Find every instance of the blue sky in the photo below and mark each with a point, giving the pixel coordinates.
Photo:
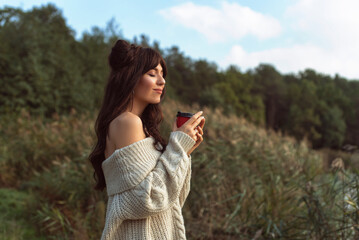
(290, 34)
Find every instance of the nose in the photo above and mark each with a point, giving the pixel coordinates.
(160, 80)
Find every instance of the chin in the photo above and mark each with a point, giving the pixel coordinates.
(155, 102)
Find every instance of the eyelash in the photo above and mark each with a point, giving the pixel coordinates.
(152, 75)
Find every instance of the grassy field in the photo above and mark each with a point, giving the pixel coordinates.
(247, 182)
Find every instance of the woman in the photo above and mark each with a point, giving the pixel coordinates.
(147, 180)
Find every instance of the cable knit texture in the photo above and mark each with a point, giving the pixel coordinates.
(147, 189)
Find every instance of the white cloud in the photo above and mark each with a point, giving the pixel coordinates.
(331, 30)
(290, 59)
(333, 22)
(231, 22)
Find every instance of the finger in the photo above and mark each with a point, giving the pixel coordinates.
(198, 121)
(202, 122)
(195, 117)
(200, 130)
(200, 137)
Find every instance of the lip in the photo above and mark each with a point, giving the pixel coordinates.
(158, 90)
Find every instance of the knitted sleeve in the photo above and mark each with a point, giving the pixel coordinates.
(186, 186)
(160, 187)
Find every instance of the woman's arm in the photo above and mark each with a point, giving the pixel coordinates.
(162, 186)
(187, 185)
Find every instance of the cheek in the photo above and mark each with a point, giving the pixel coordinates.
(146, 85)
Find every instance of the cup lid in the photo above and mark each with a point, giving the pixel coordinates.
(184, 114)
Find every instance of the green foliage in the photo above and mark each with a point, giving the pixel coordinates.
(318, 110)
(179, 75)
(239, 95)
(52, 166)
(211, 96)
(43, 62)
(332, 126)
(257, 183)
(45, 70)
(14, 209)
(246, 182)
(270, 85)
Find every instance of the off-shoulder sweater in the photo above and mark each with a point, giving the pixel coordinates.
(147, 189)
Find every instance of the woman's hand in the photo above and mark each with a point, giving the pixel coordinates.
(194, 128)
(199, 136)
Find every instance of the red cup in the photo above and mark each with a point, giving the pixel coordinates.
(182, 117)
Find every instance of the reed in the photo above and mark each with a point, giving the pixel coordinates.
(247, 182)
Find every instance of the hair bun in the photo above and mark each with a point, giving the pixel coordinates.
(122, 54)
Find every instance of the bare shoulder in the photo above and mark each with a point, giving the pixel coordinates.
(126, 129)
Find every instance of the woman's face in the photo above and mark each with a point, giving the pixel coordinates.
(151, 80)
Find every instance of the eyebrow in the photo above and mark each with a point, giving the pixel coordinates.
(156, 69)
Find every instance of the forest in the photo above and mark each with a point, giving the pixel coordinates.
(259, 174)
(45, 70)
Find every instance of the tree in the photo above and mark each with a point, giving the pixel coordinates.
(269, 84)
(237, 94)
(303, 117)
(39, 49)
(179, 75)
(332, 127)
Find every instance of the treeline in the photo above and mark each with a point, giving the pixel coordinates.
(46, 70)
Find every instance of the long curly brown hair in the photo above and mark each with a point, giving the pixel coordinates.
(128, 63)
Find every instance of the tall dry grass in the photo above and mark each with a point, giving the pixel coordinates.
(247, 183)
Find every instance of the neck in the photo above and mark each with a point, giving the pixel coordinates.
(137, 107)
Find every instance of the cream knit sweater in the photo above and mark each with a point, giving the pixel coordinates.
(147, 189)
